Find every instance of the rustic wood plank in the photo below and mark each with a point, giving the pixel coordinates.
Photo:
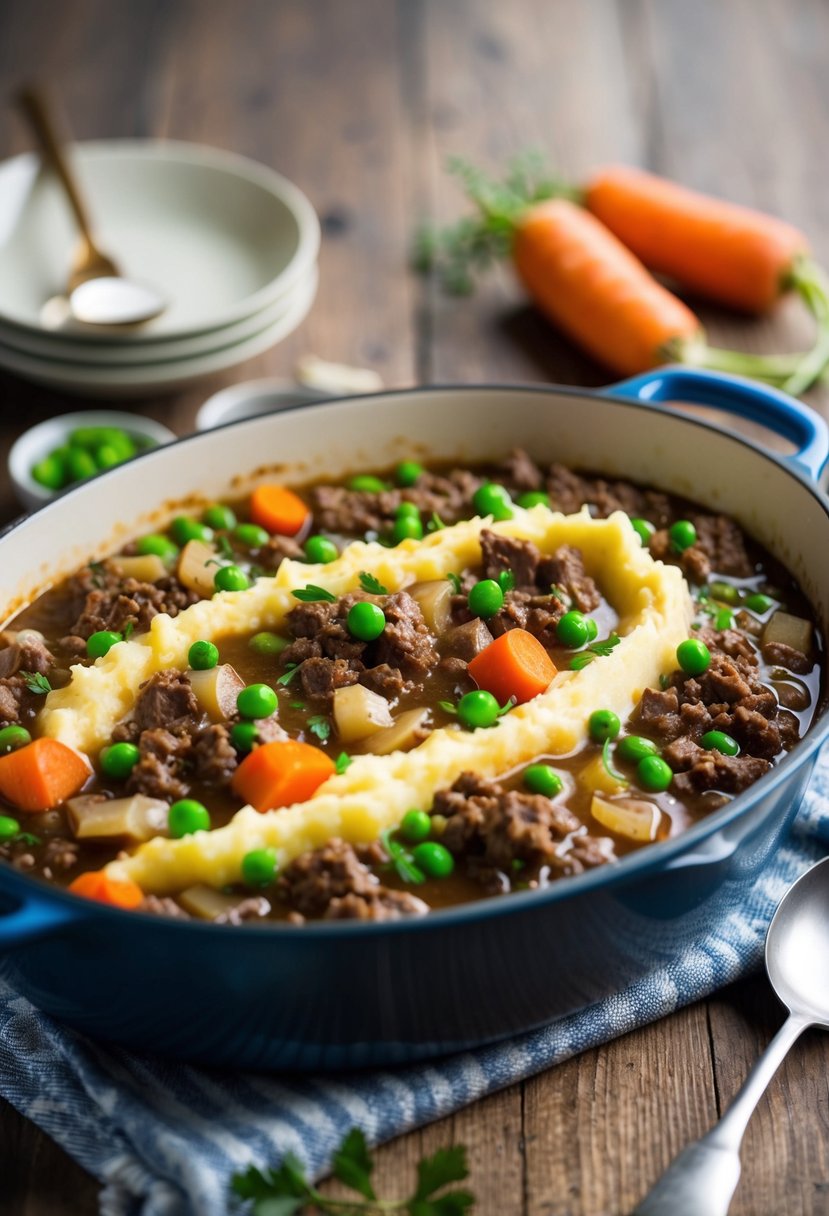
(36, 1177)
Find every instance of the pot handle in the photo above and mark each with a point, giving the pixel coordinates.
(757, 402)
(32, 918)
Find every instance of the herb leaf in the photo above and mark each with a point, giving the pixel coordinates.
(447, 707)
(352, 1164)
(454, 579)
(312, 593)
(594, 650)
(400, 859)
(435, 523)
(224, 547)
(320, 726)
(35, 682)
(608, 765)
(372, 585)
(290, 671)
(342, 762)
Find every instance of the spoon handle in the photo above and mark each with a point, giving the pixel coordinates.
(34, 107)
(702, 1179)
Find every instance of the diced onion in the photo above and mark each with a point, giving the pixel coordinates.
(216, 690)
(787, 630)
(399, 737)
(594, 776)
(359, 712)
(434, 599)
(146, 568)
(206, 902)
(633, 818)
(134, 819)
(197, 566)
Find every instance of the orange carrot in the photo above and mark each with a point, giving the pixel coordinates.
(42, 774)
(97, 884)
(726, 252)
(278, 509)
(280, 773)
(584, 279)
(514, 665)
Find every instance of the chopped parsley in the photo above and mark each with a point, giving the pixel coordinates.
(35, 682)
(320, 726)
(312, 594)
(596, 650)
(371, 584)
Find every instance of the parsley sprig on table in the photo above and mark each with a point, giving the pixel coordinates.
(286, 1190)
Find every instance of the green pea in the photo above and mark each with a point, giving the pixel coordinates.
(415, 826)
(478, 709)
(693, 656)
(202, 656)
(106, 456)
(158, 545)
(100, 643)
(8, 827)
(406, 527)
(592, 629)
(366, 483)
(50, 472)
(251, 535)
(80, 464)
(187, 816)
(643, 530)
(120, 441)
(230, 578)
(533, 498)
(12, 737)
(485, 599)
(493, 499)
(407, 508)
(321, 550)
(408, 472)
(243, 735)
(542, 779)
(219, 516)
(757, 602)
(119, 760)
(185, 528)
(682, 535)
(726, 592)
(572, 629)
(635, 748)
(433, 859)
(365, 621)
(268, 643)
(654, 774)
(724, 619)
(259, 867)
(91, 437)
(603, 724)
(256, 701)
(719, 741)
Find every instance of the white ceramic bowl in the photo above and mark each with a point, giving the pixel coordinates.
(136, 378)
(220, 236)
(42, 439)
(252, 398)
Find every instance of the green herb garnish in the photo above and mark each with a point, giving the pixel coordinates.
(320, 726)
(312, 593)
(454, 579)
(342, 762)
(371, 584)
(286, 1191)
(400, 859)
(596, 650)
(35, 682)
(435, 523)
(608, 766)
(290, 671)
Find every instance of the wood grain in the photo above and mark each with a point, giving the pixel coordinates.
(361, 103)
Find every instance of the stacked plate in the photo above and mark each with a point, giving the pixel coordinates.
(230, 245)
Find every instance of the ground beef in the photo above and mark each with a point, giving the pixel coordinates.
(271, 556)
(385, 680)
(520, 472)
(569, 491)
(157, 905)
(14, 697)
(520, 557)
(59, 854)
(565, 569)
(332, 883)
(697, 770)
(114, 602)
(467, 640)
(254, 908)
(502, 826)
(166, 699)
(720, 546)
(782, 655)
(406, 642)
(212, 759)
(535, 575)
(320, 678)
(30, 655)
(160, 768)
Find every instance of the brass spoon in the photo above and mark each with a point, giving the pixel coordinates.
(97, 292)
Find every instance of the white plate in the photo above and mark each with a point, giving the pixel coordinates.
(132, 381)
(219, 235)
(65, 349)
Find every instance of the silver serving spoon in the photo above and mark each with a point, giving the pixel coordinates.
(703, 1178)
(96, 291)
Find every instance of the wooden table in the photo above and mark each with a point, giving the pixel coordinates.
(360, 101)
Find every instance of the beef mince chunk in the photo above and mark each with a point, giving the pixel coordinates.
(565, 569)
(212, 758)
(500, 553)
(719, 546)
(492, 827)
(160, 767)
(697, 770)
(158, 905)
(14, 698)
(334, 884)
(521, 472)
(26, 653)
(164, 700)
(535, 573)
(406, 642)
(114, 602)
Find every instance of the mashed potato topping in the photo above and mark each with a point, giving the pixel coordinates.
(654, 610)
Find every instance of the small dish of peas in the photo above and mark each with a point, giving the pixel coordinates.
(63, 451)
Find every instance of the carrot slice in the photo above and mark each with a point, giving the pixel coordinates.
(280, 773)
(42, 775)
(514, 665)
(97, 884)
(278, 509)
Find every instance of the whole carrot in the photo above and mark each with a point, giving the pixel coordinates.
(598, 292)
(612, 307)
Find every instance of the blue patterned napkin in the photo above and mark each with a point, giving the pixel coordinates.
(164, 1138)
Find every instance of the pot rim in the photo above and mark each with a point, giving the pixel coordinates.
(644, 862)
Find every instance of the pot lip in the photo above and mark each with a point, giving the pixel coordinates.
(644, 862)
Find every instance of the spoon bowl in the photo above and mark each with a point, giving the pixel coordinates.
(797, 946)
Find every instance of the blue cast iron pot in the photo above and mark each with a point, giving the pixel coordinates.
(326, 996)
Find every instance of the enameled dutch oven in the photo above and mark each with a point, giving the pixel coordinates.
(350, 995)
